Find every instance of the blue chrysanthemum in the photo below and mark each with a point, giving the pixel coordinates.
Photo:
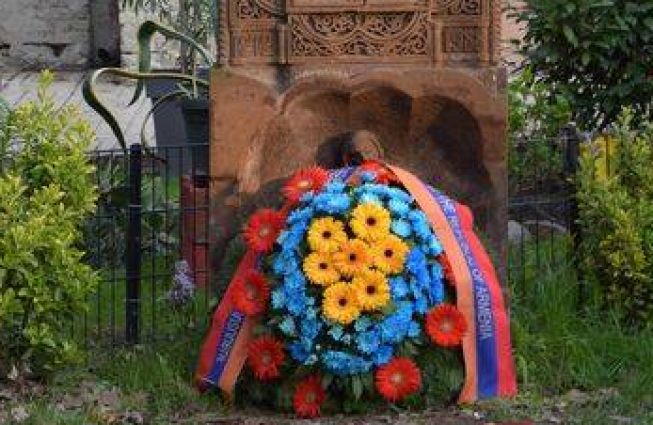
(368, 342)
(336, 332)
(398, 208)
(370, 198)
(332, 203)
(436, 292)
(335, 186)
(298, 352)
(362, 324)
(414, 329)
(311, 312)
(309, 329)
(401, 228)
(341, 363)
(301, 215)
(287, 326)
(399, 195)
(285, 264)
(368, 176)
(278, 298)
(431, 246)
(420, 224)
(398, 287)
(383, 355)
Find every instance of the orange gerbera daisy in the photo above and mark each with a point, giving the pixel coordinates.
(307, 180)
(251, 294)
(309, 396)
(265, 355)
(445, 325)
(398, 379)
(263, 229)
(353, 258)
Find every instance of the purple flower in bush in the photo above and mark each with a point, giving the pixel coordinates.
(183, 287)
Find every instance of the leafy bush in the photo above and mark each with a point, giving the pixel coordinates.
(45, 194)
(536, 116)
(616, 213)
(599, 53)
(4, 112)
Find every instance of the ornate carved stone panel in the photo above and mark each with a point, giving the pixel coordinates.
(321, 6)
(253, 33)
(356, 37)
(300, 32)
(459, 7)
(462, 39)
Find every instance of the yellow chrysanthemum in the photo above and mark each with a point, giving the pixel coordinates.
(389, 254)
(372, 290)
(353, 258)
(340, 303)
(319, 269)
(370, 222)
(326, 234)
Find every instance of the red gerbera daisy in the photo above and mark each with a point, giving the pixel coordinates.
(309, 396)
(263, 228)
(264, 356)
(251, 294)
(383, 173)
(398, 379)
(445, 325)
(448, 270)
(307, 180)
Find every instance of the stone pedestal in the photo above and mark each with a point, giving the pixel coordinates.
(297, 77)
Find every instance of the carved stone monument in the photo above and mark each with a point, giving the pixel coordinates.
(297, 77)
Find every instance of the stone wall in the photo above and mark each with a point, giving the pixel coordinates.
(164, 52)
(74, 34)
(44, 33)
(512, 30)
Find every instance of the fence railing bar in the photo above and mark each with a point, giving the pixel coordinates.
(133, 261)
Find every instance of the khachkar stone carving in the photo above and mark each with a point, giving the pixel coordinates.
(363, 37)
(297, 78)
(301, 31)
(459, 7)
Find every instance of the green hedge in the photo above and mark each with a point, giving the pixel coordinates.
(616, 214)
(45, 194)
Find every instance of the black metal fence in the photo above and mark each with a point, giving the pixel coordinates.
(149, 242)
(149, 237)
(542, 207)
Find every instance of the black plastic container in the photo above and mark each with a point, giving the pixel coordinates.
(180, 122)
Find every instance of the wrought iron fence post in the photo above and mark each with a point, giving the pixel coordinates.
(133, 249)
(573, 138)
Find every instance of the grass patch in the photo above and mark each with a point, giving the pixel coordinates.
(142, 385)
(574, 359)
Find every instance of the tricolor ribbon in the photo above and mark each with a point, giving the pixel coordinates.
(224, 350)
(489, 367)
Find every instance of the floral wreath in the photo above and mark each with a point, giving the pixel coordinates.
(350, 276)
